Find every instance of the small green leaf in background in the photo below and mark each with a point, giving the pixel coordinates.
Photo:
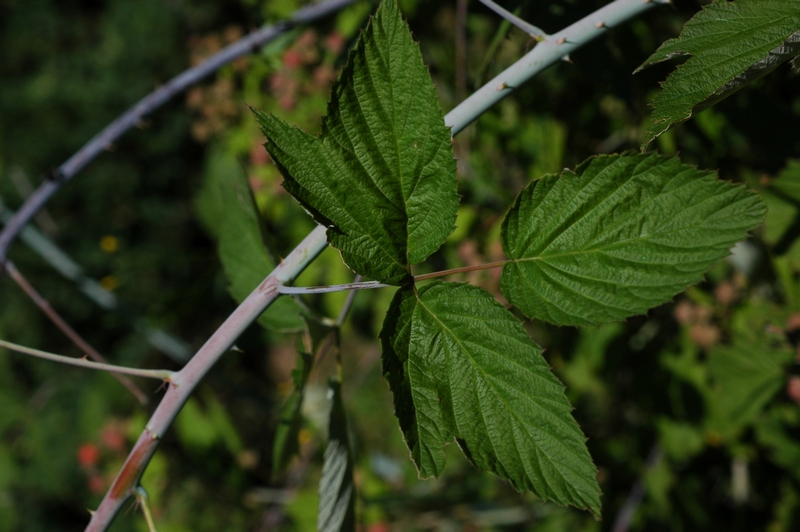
(231, 215)
(777, 430)
(336, 489)
(583, 373)
(730, 44)
(782, 225)
(622, 234)
(202, 425)
(244, 254)
(381, 176)
(680, 441)
(285, 443)
(746, 375)
(787, 184)
(461, 366)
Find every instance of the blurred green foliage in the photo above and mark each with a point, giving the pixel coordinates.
(696, 403)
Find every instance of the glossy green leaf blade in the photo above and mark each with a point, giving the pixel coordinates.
(382, 174)
(461, 366)
(336, 488)
(730, 44)
(623, 234)
(232, 214)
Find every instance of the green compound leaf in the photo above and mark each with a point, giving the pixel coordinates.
(623, 234)
(730, 44)
(242, 249)
(461, 366)
(381, 176)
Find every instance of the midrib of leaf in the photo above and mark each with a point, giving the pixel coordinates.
(630, 232)
(604, 248)
(543, 259)
(375, 146)
(378, 189)
(421, 162)
(607, 246)
(386, 60)
(490, 380)
(354, 219)
(571, 222)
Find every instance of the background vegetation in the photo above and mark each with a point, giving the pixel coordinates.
(694, 406)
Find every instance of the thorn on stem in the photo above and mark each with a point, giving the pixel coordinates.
(600, 25)
(561, 40)
(502, 86)
(153, 434)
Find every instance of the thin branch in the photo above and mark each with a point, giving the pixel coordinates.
(461, 49)
(625, 515)
(530, 29)
(299, 290)
(160, 374)
(170, 345)
(150, 103)
(247, 312)
(333, 335)
(348, 303)
(144, 503)
(68, 331)
(24, 188)
(543, 55)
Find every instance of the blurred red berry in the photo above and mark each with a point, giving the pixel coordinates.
(725, 293)
(97, 484)
(88, 455)
(793, 389)
(335, 42)
(705, 335)
(685, 312)
(113, 439)
(292, 59)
